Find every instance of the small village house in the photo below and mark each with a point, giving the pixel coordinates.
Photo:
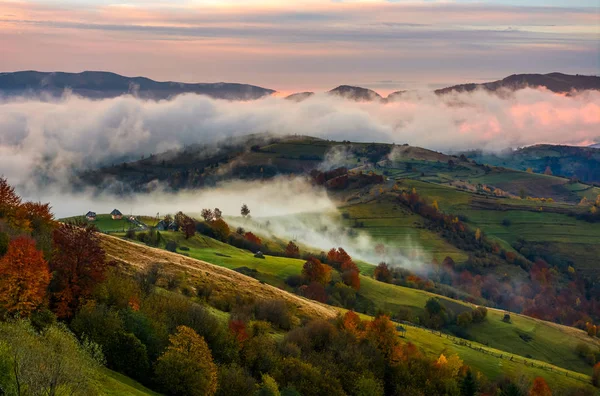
(90, 216)
(116, 214)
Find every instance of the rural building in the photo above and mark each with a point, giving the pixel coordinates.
(91, 216)
(116, 214)
(162, 225)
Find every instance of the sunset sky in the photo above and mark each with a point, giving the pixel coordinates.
(304, 45)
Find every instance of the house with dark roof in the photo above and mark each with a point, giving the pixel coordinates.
(161, 225)
(90, 216)
(116, 214)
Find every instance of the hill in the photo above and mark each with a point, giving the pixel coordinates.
(581, 163)
(498, 347)
(355, 93)
(99, 85)
(555, 82)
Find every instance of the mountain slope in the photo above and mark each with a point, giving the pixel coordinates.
(98, 85)
(555, 82)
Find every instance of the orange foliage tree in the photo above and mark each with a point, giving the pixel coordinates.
(250, 237)
(315, 271)
(596, 375)
(24, 277)
(340, 260)
(78, 264)
(540, 388)
(238, 329)
(382, 273)
(292, 250)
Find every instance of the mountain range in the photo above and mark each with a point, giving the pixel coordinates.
(100, 85)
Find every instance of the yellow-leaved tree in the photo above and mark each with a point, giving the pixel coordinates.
(187, 367)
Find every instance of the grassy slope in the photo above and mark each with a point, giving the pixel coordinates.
(488, 363)
(551, 343)
(570, 237)
(113, 383)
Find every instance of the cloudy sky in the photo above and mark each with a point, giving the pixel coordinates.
(304, 45)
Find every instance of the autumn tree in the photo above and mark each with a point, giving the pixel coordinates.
(292, 250)
(78, 264)
(250, 237)
(383, 333)
(208, 215)
(24, 277)
(217, 213)
(540, 388)
(315, 271)
(596, 375)
(188, 227)
(245, 211)
(340, 260)
(187, 367)
(220, 229)
(548, 171)
(382, 273)
(238, 329)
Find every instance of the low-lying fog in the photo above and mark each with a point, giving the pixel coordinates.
(42, 142)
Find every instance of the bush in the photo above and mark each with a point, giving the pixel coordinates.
(506, 317)
(130, 234)
(275, 312)
(184, 248)
(506, 222)
(235, 380)
(171, 246)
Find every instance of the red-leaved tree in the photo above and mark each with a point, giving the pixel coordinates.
(315, 271)
(24, 277)
(78, 264)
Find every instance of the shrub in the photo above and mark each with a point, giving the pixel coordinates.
(184, 248)
(506, 317)
(171, 246)
(235, 380)
(130, 234)
(275, 312)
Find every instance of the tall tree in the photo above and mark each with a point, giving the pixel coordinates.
(208, 215)
(78, 264)
(187, 367)
(245, 211)
(292, 250)
(24, 277)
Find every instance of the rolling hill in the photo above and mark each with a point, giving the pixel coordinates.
(497, 349)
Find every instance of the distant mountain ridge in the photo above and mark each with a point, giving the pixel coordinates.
(555, 82)
(100, 85)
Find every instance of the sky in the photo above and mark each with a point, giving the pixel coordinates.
(303, 45)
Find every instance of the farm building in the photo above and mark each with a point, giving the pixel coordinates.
(161, 225)
(116, 214)
(90, 216)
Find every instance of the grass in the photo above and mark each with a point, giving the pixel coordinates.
(113, 383)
